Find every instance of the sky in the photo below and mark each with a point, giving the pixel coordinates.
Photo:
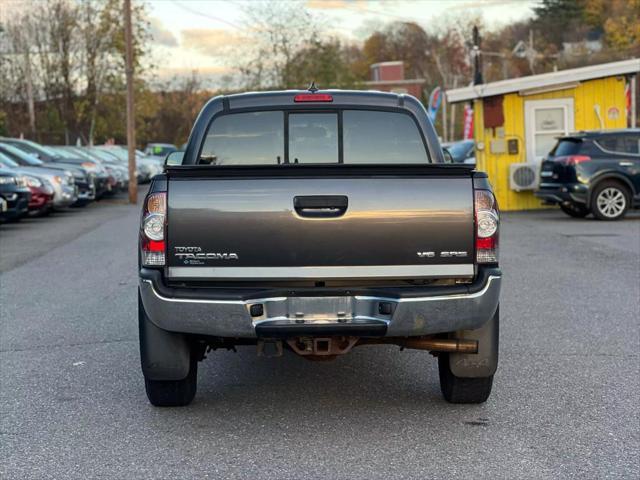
(199, 35)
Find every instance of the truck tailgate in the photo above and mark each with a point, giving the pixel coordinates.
(315, 228)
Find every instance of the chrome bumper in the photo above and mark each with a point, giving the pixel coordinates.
(65, 197)
(406, 316)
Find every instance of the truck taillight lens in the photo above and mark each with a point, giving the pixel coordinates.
(487, 227)
(152, 230)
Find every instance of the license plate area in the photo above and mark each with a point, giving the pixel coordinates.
(334, 310)
(320, 309)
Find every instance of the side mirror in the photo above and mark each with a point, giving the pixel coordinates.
(174, 158)
(447, 156)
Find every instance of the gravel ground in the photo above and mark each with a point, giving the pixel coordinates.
(564, 405)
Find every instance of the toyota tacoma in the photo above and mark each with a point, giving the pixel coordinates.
(315, 222)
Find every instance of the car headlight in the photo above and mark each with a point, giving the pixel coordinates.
(8, 180)
(33, 181)
(21, 181)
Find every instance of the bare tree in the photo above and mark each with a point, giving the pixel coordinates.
(66, 54)
(277, 30)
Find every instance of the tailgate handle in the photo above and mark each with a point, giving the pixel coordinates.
(321, 205)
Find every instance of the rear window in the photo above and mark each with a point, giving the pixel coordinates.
(381, 138)
(160, 150)
(567, 147)
(313, 138)
(318, 137)
(255, 138)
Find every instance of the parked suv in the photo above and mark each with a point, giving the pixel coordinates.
(593, 172)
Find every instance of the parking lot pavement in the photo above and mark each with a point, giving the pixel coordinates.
(24, 241)
(565, 400)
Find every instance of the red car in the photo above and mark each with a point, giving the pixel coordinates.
(42, 193)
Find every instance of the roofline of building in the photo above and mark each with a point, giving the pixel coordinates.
(395, 82)
(385, 64)
(544, 81)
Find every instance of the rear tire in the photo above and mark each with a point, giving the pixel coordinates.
(610, 201)
(575, 210)
(459, 389)
(167, 393)
(173, 393)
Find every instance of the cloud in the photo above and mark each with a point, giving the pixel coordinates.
(187, 71)
(209, 77)
(334, 4)
(210, 41)
(161, 35)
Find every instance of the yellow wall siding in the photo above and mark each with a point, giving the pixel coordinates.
(606, 92)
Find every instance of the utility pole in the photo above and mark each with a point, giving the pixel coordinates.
(445, 131)
(477, 63)
(30, 100)
(131, 128)
(452, 125)
(634, 99)
(531, 54)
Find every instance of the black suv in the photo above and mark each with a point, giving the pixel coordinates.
(593, 172)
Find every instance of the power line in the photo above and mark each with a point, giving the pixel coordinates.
(460, 5)
(206, 15)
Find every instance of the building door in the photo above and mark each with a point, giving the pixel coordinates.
(544, 120)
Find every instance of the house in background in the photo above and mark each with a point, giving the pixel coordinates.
(518, 120)
(389, 77)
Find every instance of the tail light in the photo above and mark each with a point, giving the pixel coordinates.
(152, 230)
(487, 227)
(575, 159)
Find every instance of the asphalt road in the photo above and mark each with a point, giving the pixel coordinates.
(564, 405)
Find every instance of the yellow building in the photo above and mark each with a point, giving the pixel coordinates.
(516, 121)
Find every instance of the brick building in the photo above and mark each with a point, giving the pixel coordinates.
(389, 77)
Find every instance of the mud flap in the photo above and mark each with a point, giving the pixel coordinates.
(164, 355)
(485, 362)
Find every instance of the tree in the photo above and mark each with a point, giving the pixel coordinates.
(559, 20)
(620, 22)
(405, 41)
(67, 54)
(324, 62)
(276, 31)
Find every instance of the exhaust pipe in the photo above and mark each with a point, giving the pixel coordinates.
(451, 345)
(442, 345)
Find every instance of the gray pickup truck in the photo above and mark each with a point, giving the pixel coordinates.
(315, 222)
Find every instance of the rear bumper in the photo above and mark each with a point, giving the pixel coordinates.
(562, 192)
(428, 311)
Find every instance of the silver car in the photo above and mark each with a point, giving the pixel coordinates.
(64, 189)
